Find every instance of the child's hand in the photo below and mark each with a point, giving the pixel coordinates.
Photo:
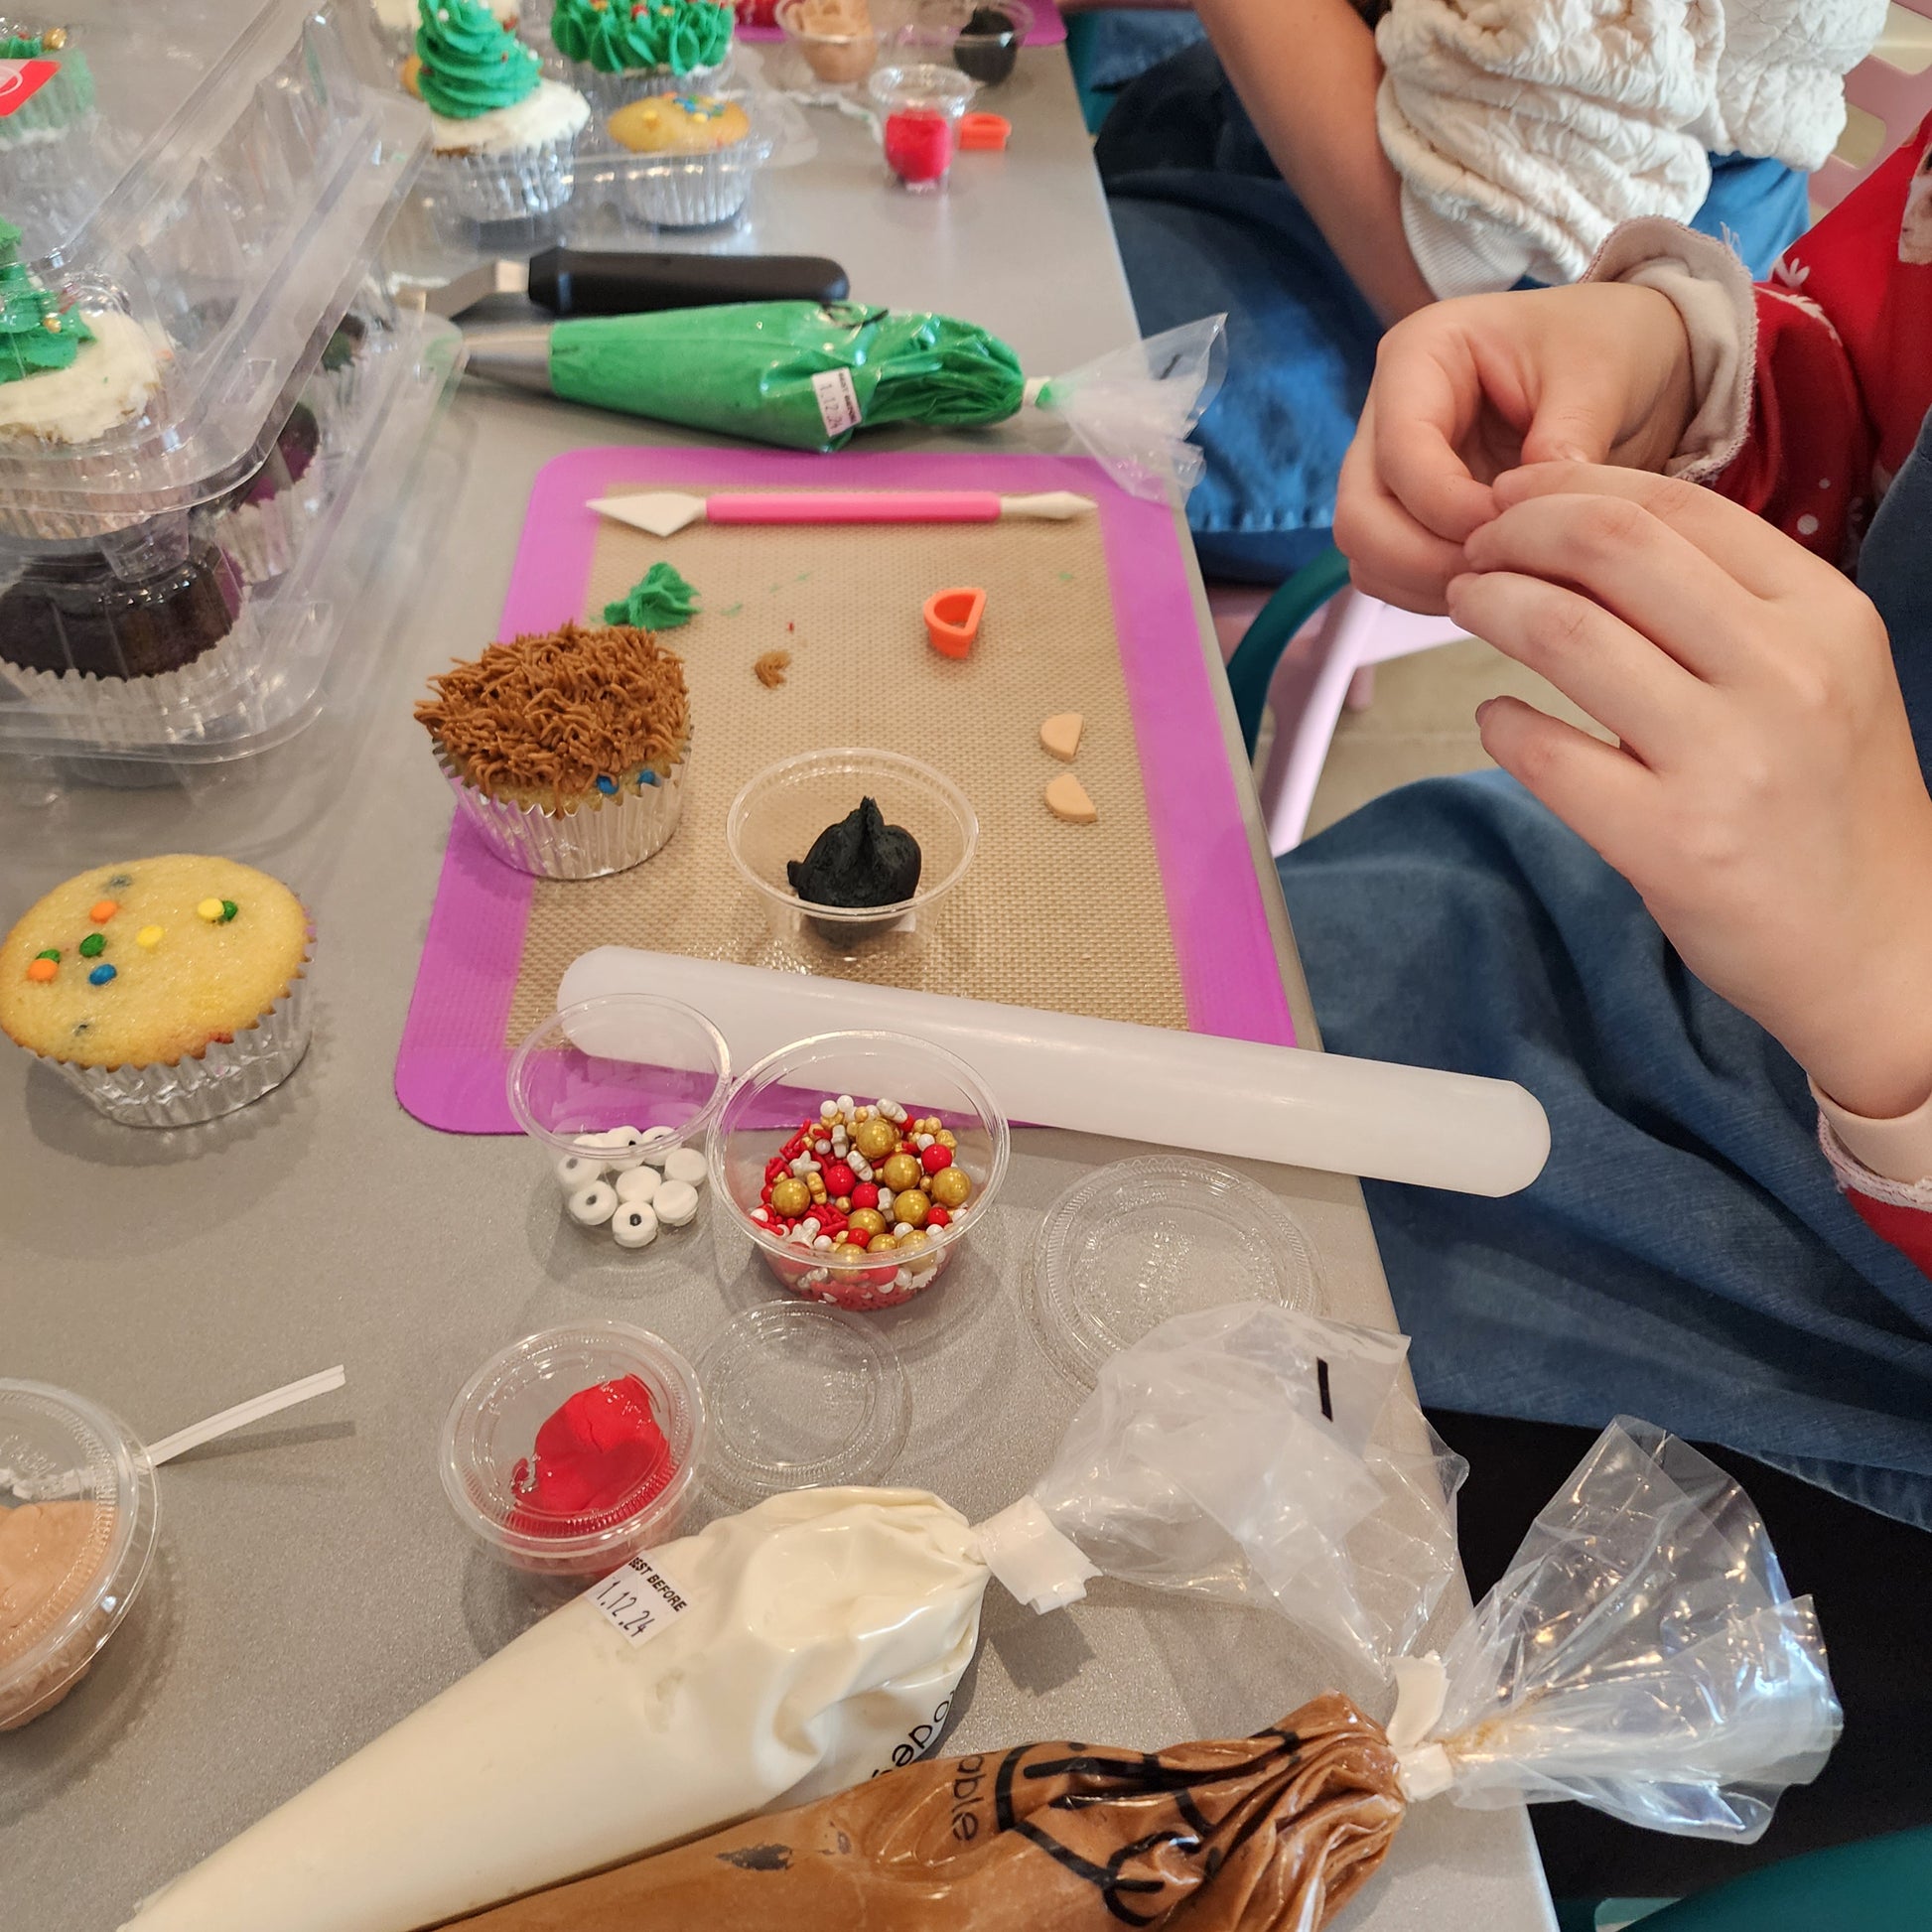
(1766, 798)
(1466, 390)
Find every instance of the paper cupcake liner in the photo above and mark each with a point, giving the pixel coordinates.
(225, 1075)
(689, 191)
(506, 186)
(264, 540)
(612, 835)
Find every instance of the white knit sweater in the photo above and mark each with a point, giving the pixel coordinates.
(1526, 130)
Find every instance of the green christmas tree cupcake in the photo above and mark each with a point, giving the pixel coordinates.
(504, 137)
(620, 49)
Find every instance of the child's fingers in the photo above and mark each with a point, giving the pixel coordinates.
(1424, 411)
(1762, 559)
(1654, 578)
(1653, 705)
(1391, 555)
(1598, 791)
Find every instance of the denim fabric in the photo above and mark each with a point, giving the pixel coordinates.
(1127, 40)
(1685, 1256)
(1204, 223)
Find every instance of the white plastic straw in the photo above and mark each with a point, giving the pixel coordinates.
(243, 1413)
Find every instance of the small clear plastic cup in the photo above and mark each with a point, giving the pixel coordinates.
(1129, 1246)
(766, 1110)
(839, 60)
(984, 49)
(919, 111)
(75, 1564)
(781, 811)
(487, 1450)
(623, 1059)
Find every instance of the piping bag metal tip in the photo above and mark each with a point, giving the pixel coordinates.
(515, 353)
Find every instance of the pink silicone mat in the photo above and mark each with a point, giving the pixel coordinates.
(451, 1066)
(1049, 30)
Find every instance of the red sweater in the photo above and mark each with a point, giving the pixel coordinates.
(1843, 366)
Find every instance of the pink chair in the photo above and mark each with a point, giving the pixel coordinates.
(1310, 666)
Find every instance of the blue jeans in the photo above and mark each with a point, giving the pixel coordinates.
(1685, 1256)
(1204, 224)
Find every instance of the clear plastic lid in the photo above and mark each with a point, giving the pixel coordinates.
(574, 1491)
(77, 1521)
(1130, 1245)
(201, 181)
(800, 1395)
(222, 641)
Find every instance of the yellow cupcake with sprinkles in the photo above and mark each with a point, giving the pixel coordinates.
(167, 990)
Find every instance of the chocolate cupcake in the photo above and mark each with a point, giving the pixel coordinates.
(127, 662)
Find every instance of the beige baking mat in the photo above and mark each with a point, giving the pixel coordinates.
(1067, 917)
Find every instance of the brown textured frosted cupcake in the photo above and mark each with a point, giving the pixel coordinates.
(566, 750)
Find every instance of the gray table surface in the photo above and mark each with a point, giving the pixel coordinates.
(312, 1586)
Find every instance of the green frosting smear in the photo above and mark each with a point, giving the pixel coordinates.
(472, 62)
(660, 601)
(618, 35)
(35, 335)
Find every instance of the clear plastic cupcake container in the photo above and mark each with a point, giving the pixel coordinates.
(624, 1060)
(781, 810)
(225, 1075)
(800, 1395)
(1130, 1245)
(77, 1496)
(767, 1106)
(487, 1452)
(232, 176)
(598, 835)
(206, 633)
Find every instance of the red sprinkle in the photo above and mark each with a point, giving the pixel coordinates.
(935, 1157)
(918, 144)
(865, 1195)
(938, 1218)
(839, 1179)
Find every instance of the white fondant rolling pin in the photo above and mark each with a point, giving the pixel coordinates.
(1145, 1084)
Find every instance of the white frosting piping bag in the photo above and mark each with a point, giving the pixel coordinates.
(1145, 1084)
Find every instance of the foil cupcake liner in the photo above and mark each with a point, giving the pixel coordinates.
(225, 1075)
(689, 191)
(109, 713)
(597, 839)
(504, 186)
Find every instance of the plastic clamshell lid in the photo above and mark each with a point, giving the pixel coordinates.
(218, 174)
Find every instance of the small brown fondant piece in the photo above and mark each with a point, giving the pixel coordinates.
(1282, 1829)
(1061, 735)
(770, 670)
(1066, 798)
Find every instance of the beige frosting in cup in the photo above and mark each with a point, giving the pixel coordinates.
(43, 1572)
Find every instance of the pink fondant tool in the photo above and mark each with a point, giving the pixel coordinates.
(664, 512)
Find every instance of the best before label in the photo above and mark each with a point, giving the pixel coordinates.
(838, 400)
(640, 1600)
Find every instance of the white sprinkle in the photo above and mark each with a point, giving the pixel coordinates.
(904, 1228)
(577, 1171)
(638, 1185)
(635, 1226)
(591, 1206)
(809, 1224)
(845, 1103)
(676, 1203)
(826, 1109)
(822, 1241)
(687, 1165)
(922, 1142)
(760, 1215)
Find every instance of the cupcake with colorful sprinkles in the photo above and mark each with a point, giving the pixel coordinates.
(567, 749)
(168, 990)
(621, 48)
(504, 138)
